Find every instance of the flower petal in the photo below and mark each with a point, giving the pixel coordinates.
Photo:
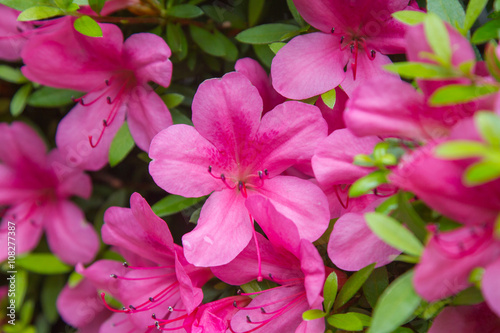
(334, 117)
(466, 319)
(489, 286)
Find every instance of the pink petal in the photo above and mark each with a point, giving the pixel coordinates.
(99, 275)
(147, 115)
(21, 143)
(227, 111)
(181, 157)
(313, 268)
(489, 286)
(258, 76)
(300, 201)
(386, 37)
(466, 319)
(147, 54)
(309, 65)
(334, 117)
(69, 236)
(223, 230)
(13, 34)
(191, 295)
(73, 181)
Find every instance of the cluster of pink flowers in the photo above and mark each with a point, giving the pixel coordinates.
(285, 164)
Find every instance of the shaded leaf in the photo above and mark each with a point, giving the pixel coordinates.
(352, 285)
(121, 146)
(173, 204)
(266, 33)
(87, 26)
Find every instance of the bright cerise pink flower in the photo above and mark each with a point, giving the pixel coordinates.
(353, 34)
(13, 34)
(235, 154)
(115, 75)
(466, 319)
(156, 286)
(36, 187)
(293, 263)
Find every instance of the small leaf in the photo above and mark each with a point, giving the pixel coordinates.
(39, 13)
(63, 4)
(176, 39)
(48, 97)
(449, 10)
(438, 37)
(43, 263)
(486, 32)
(345, 321)
(195, 216)
(275, 47)
(474, 8)
(457, 93)
(365, 320)
(410, 17)
(25, 4)
(395, 305)
(52, 286)
(87, 26)
(352, 285)
(412, 70)
(459, 149)
(185, 11)
(21, 287)
(295, 13)
(266, 33)
(230, 50)
(20, 99)
(121, 146)
(74, 279)
(12, 75)
(488, 124)
(313, 314)
(330, 291)
(254, 11)
(329, 98)
(481, 172)
(97, 5)
(264, 54)
(368, 183)
(172, 100)
(393, 233)
(375, 285)
(207, 41)
(173, 204)
(469, 296)
(180, 118)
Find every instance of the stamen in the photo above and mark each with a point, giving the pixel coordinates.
(333, 30)
(248, 319)
(373, 54)
(342, 39)
(242, 188)
(151, 299)
(125, 264)
(114, 276)
(259, 261)
(354, 64)
(108, 99)
(336, 188)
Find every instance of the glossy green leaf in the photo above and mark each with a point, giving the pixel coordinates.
(460, 149)
(329, 98)
(48, 97)
(26, 313)
(180, 118)
(12, 75)
(43, 263)
(254, 11)
(330, 291)
(481, 172)
(74, 279)
(486, 32)
(393, 233)
(469, 296)
(51, 288)
(21, 286)
(346, 321)
(207, 41)
(408, 216)
(313, 314)
(176, 40)
(368, 183)
(121, 146)
(230, 50)
(352, 285)
(438, 37)
(266, 33)
(375, 285)
(39, 13)
(172, 100)
(20, 99)
(410, 17)
(275, 47)
(173, 204)
(195, 216)
(63, 4)
(97, 5)
(488, 124)
(413, 70)
(457, 93)
(295, 13)
(474, 8)
(449, 10)
(185, 11)
(25, 4)
(264, 54)
(87, 26)
(395, 305)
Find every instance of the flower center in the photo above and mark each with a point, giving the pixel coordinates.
(251, 181)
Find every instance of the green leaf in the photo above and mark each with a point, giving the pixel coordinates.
(457, 93)
(330, 291)
(185, 11)
(438, 37)
(51, 288)
(410, 17)
(459, 149)
(486, 32)
(180, 118)
(408, 215)
(395, 305)
(74, 279)
(63, 4)
(275, 47)
(488, 124)
(87, 26)
(48, 97)
(26, 313)
(481, 172)
(295, 13)
(264, 54)
(313, 314)
(469, 296)
(266, 33)
(173, 204)
(121, 146)
(393, 233)
(375, 285)
(20, 99)
(368, 183)
(208, 42)
(412, 70)
(195, 216)
(43, 263)
(254, 11)
(39, 13)
(25, 4)
(352, 285)
(449, 10)
(346, 321)
(172, 100)
(21, 287)
(97, 5)
(12, 75)
(176, 40)
(474, 8)
(230, 50)
(329, 98)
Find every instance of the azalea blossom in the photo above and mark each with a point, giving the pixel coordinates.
(35, 189)
(352, 44)
(292, 263)
(13, 34)
(235, 154)
(115, 76)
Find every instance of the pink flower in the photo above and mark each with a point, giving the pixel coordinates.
(466, 319)
(235, 154)
(114, 74)
(334, 117)
(157, 287)
(353, 34)
(36, 187)
(287, 260)
(13, 34)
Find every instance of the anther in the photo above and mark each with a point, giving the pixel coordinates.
(239, 291)
(170, 309)
(240, 185)
(125, 264)
(266, 172)
(262, 310)
(341, 39)
(107, 82)
(260, 174)
(157, 325)
(222, 177)
(234, 304)
(248, 319)
(151, 299)
(333, 30)
(153, 316)
(108, 99)
(352, 48)
(132, 307)
(124, 308)
(209, 168)
(104, 123)
(114, 276)
(373, 53)
(82, 102)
